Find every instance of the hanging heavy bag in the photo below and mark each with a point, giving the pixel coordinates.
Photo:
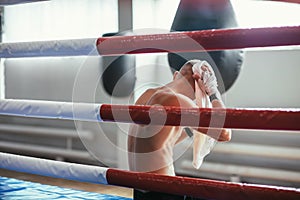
(119, 74)
(194, 15)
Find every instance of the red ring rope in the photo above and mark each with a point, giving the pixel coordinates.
(273, 119)
(210, 40)
(288, 1)
(207, 189)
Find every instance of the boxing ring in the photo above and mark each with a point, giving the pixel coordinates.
(254, 119)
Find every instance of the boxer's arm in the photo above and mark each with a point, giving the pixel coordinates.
(219, 134)
(207, 82)
(167, 99)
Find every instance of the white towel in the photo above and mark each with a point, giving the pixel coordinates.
(202, 144)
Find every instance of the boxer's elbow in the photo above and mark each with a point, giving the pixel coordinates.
(221, 135)
(225, 135)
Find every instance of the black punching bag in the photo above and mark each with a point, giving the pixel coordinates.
(194, 15)
(118, 76)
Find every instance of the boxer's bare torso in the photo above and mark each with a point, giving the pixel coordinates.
(151, 147)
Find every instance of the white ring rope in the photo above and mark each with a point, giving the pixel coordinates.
(13, 2)
(55, 169)
(51, 110)
(76, 47)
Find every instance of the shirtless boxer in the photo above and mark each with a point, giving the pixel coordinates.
(150, 147)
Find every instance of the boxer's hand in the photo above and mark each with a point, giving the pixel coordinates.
(206, 78)
(209, 80)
